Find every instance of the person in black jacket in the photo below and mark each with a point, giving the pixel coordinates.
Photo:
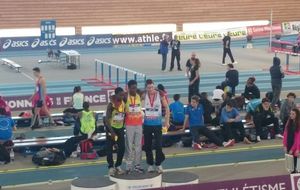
(207, 106)
(232, 78)
(251, 90)
(276, 80)
(175, 45)
(226, 48)
(264, 116)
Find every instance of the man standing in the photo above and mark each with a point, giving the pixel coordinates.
(134, 129)
(226, 48)
(154, 101)
(175, 45)
(39, 98)
(114, 122)
(276, 80)
(163, 50)
(189, 64)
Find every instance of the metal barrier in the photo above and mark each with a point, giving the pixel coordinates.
(115, 73)
(287, 64)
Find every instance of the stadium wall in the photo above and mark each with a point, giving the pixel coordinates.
(78, 13)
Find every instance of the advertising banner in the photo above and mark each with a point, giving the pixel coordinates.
(291, 27)
(264, 30)
(147, 38)
(79, 41)
(19, 103)
(211, 35)
(264, 183)
(61, 42)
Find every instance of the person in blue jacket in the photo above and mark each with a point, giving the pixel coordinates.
(163, 50)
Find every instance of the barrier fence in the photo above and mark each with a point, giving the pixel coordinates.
(114, 75)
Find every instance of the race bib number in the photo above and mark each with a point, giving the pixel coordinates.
(134, 109)
(151, 113)
(118, 117)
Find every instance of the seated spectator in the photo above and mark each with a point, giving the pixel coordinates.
(250, 109)
(251, 90)
(264, 116)
(177, 111)
(194, 116)
(207, 106)
(231, 120)
(7, 125)
(87, 121)
(217, 98)
(5, 106)
(287, 107)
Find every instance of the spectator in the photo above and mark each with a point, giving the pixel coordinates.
(7, 126)
(207, 107)
(217, 98)
(87, 121)
(194, 116)
(175, 45)
(134, 129)
(77, 99)
(226, 49)
(276, 80)
(287, 107)
(232, 78)
(264, 116)
(194, 79)
(189, 64)
(5, 106)
(39, 98)
(251, 90)
(154, 101)
(163, 91)
(177, 111)
(231, 120)
(291, 140)
(163, 50)
(114, 121)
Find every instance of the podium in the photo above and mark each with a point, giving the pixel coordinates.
(137, 181)
(94, 183)
(179, 178)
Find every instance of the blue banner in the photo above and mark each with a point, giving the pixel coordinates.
(61, 42)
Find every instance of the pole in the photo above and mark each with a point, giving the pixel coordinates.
(271, 29)
(126, 79)
(117, 77)
(96, 70)
(109, 74)
(102, 72)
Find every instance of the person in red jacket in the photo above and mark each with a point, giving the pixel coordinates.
(291, 136)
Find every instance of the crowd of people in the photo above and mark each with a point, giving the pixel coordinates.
(129, 128)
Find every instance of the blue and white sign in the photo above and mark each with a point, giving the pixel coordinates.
(48, 29)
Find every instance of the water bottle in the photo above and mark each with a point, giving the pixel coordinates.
(78, 150)
(12, 155)
(269, 136)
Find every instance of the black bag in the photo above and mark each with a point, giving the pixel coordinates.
(167, 141)
(49, 157)
(71, 145)
(72, 66)
(4, 154)
(158, 51)
(187, 141)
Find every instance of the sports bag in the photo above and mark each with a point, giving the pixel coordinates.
(49, 157)
(87, 150)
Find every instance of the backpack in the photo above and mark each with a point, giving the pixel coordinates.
(49, 157)
(87, 150)
(4, 154)
(252, 105)
(71, 144)
(72, 66)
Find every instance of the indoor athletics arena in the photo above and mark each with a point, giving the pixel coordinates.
(161, 94)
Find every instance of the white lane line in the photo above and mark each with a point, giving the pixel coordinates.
(167, 170)
(27, 76)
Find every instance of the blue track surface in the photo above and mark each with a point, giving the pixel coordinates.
(41, 175)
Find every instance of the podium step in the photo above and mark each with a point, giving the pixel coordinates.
(93, 183)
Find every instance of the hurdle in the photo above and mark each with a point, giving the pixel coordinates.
(287, 59)
(121, 75)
